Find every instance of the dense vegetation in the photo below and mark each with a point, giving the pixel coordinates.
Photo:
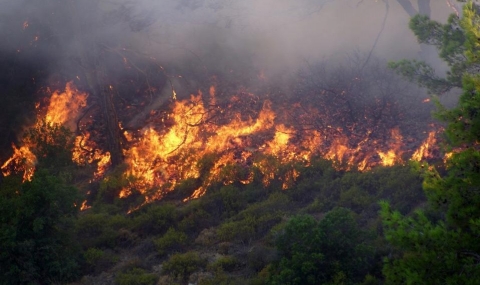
(325, 229)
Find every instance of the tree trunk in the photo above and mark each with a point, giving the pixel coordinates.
(93, 66)
(108, 114)
(423, 7)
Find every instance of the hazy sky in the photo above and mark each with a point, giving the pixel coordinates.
(283, 31)
(278, 34)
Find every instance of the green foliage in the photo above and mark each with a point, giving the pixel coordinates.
(154, 219)
(98, 260)
(111, 185)
(224, 263)
(103, 230)
(136, 276)
(401, 185)
(449, 39)
(194, 217)
(464, 120)
(53, 145)
(443, 248)
(225, 202)
(172, 240)
(243, 230)
(430, 252)
(36, 239)
(182, 265)
(422, 74)
(314, 252)
(259, 257)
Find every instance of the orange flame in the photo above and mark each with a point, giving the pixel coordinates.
(64, 108)
(86, 152)
(424, 150)
(393, 155)
(159, 160)
(22, 160)
(84, 206)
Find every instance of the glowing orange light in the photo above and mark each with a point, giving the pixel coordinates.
(424, 150)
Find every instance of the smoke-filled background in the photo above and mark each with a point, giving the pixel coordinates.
(278, 35)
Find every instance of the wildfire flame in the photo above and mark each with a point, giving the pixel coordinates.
(216, 144)
(159, 160)
(424, 151)
(22, 160)
(64, 108)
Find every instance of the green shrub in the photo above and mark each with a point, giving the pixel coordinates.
(136, 276)
(111, 185)
(172, 240)
(182, 265)
(333, 251)
(194, 218)
(243, 230)
(259, 257)
(98, 260)
(154, 219)
(100, 230)
(37, 241)
(224, 263)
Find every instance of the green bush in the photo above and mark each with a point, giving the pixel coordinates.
(331, 251)
(154, 219)
(222, 201)
(243, 230)
(98, 260)
(136, 276)
(181, 265)
(111, 185)
(259, 257)
(172, 240)
(101, 230)
(37, 241)
(224, 263)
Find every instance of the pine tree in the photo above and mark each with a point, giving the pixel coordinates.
(444, 248)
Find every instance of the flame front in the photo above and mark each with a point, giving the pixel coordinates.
(217, 143)
(160, 159)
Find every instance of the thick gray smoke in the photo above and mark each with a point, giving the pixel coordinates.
(277, 34)
(282, 34)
